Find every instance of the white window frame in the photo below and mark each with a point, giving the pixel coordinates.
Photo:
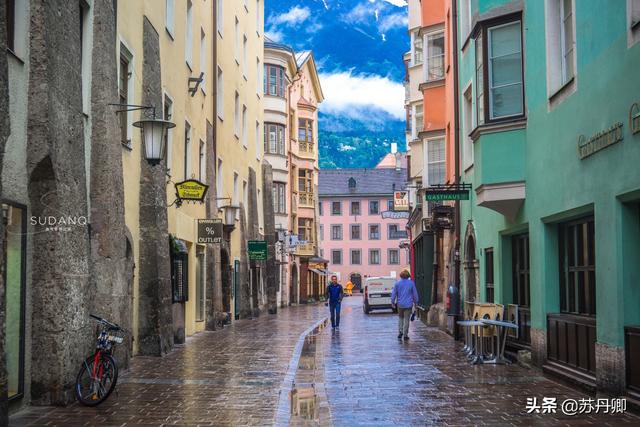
(415, 36)
(245, 130)
(244, 56)
(188, 148)
(168, 17)
(236, 51)
(220, 182)
(558, 87)
(220, 94)
(467, 126)
(340, 232)
(563, 49)
(258, 18)
(428, 162)
(428, 56)
(130, 84)
(633, 22)
(259, 81)
(202, 161)
(389, 251)
(236, 192)
(169, 145)
(236, 116)
(371, 252)
(188, 40)
(220, 17)
(490, 88)
(86, 46)
(203, 60)
(414, 122)
(258, 135)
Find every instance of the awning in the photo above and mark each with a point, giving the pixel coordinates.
(318, 272)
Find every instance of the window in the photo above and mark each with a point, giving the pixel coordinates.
(435, 162)
(390, 206)
(245, 131)
(305, 130)
(10, 22)
(374, 232)
(520, 264)
(336, 208)
(352, 183)
(479, 80)
(180, 273)
(202, 162)
(355, 208)
(355, 232)
(236, 116)
(305, 227)
(417, 48)
(236, 51)
(220, 94)
(167, 113)
(435, 56)
(274, 139)
(168, 19)
(577, 267)
(235, 198)
(356, 257)
(336, 232)
(245, 198)
(336, 257)
(394, 232)
(374, 207)
(305, 181)
(258, 17)
(374, 256)
(274, 80)
(259, 89)
(203, 59)
(258, 140)
(279, 198)
(220, 16)
(419, 118)
(488, 275)
(244, 56)
(394, 256)
(187, 150)
(123, 90)
(634, 14)
(320, 210)
(321, 233)
(467, 127)
(15, 241)
(85, 55)
(219, 188)
(465, 19)
(189, 34)
(505, 71)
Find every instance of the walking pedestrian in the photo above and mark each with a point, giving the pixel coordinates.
(334, 299)
(404, 297)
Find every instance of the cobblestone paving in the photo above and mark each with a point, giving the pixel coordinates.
(230, 377)
(371, 378)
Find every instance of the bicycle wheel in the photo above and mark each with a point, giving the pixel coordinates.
(90, 390)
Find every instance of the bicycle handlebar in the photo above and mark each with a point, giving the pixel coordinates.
(106, 322)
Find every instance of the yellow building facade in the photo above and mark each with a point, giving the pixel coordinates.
(185, 33)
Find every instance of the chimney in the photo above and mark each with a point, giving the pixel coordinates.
(394, 147)
(398, 161)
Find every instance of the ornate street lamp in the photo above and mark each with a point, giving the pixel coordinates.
(154, 133)
(230, 216)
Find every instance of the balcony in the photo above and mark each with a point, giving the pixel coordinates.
(306, 200)
(307, 249)
(306, 149)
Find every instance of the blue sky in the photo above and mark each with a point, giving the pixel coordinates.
(358, 47)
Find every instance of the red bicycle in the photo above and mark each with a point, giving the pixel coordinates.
(99, 373)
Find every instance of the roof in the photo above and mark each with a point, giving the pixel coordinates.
(302, 57)
(389, 161)
(335, 182)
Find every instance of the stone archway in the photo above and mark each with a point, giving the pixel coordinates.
(293, 289)
(471, 263)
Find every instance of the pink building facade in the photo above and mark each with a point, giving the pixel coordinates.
(360, 234)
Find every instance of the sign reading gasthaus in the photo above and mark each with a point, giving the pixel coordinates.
(599, 141)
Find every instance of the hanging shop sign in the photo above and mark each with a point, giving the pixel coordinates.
(257, 250)
(599, 141)
(191, 190)
(209, 231)
(395, 215)
(445, 192)
(634, 118)
(401, 201)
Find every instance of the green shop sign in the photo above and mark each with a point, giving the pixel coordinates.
(257, 250)
(445, 192)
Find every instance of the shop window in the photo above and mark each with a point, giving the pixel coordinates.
(179, 271)
(15, 243)
(488, 271)
(577, 267)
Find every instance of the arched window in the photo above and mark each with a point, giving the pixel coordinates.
(352, 183)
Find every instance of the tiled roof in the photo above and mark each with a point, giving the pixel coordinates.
(389, 161)
(335, 182)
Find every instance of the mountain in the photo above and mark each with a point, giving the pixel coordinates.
(347, 142)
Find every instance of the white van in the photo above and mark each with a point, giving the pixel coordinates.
(377, 293)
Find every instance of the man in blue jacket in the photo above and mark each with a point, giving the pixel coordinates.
(334, 298)
(405, 297)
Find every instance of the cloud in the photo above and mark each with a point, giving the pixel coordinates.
(399, 3)
(274, 35)
(293, 17)
(396, 20)
(349, 94)
(359, 14)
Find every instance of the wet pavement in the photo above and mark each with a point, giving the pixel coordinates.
(292, 369)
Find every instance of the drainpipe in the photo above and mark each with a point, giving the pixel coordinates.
(456, 113)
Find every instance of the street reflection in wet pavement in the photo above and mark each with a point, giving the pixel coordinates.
(290, 369)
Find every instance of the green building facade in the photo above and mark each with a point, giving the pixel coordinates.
(550, 141)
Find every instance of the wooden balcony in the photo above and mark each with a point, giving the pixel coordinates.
(306, 149)
(306, 200)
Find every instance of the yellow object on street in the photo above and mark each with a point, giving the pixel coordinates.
(348, 288)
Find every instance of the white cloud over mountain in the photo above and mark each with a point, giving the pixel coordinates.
(348, 94)
(293, 17)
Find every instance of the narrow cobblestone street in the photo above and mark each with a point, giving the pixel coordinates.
(235, 377)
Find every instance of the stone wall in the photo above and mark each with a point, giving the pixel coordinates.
(155, 316)
(272, 269)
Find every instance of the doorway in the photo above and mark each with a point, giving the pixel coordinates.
(356, 279)
(470, 267)
(293, 290)
(225, 272)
